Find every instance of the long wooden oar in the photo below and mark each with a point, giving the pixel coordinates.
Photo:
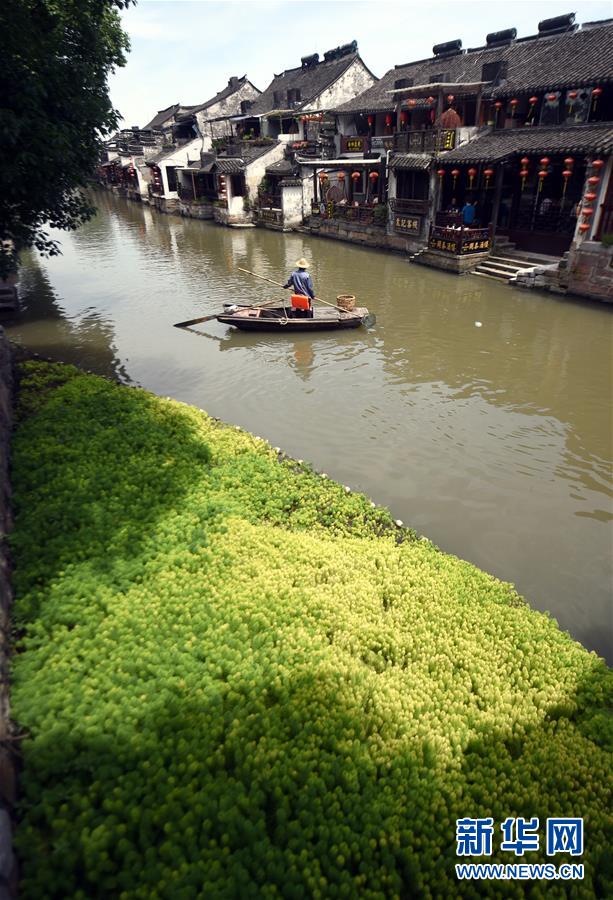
(214, 316)
(278, 283)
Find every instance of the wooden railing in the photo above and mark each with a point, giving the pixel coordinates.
(362, 213)
(416, 207)
(425, 141)
(446, 219)
(462, 242)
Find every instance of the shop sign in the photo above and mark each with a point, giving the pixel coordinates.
(447, 140)
(383, 142)
(353, 144)
(440, 244)
(476, 246)
(407, 224)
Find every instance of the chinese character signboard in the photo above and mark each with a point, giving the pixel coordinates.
(354, 144)
(475, 245)
(383, 142)
(407, 224)
(447, 140)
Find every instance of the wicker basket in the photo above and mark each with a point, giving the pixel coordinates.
(346, 301)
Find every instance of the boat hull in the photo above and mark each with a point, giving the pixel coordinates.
(276, 320)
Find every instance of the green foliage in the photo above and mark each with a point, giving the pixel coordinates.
(55, 108)
(607, 240)
(239, 680)
(380, 212)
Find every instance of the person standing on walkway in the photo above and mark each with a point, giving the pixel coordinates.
(301, 282)
(468, 214)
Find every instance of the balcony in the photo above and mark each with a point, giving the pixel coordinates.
(430, 141)
(362, 213)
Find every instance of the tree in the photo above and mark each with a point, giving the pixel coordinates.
(55, 110)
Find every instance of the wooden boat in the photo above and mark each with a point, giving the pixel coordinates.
(283, 319)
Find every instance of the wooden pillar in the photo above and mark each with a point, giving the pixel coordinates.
(478, 109)
(315, 197)
(497, 196)
(193, 184)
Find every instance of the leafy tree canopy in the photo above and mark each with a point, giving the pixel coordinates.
(54, 111)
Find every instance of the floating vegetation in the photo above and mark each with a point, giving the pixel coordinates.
(237, 681)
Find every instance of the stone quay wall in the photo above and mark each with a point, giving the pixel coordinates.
(8, 763)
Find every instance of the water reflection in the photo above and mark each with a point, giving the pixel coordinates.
(495, 441)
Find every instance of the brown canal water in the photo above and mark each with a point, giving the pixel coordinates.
(494, 441)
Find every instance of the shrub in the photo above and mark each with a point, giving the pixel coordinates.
(239, 680)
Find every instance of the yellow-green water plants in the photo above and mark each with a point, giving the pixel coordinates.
(238, 679)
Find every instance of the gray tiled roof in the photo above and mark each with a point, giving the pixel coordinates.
(222, 95)
(229, 166)
(310, 81)
(504, 143)
(411, 161)
(161, 116)
(283, 167)
(572, 59)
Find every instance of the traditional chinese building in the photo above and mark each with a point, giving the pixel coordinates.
(520, 126)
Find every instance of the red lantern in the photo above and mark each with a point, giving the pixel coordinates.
(404, 116)
(566, 174)
(488, 174)
(552, 97)
(597, 164)
(532, 101)
(524, 174)
(355, 176)
(450, 98)
(455, 173)
(373, 176)
(572, 95)
(542, 176)
(587, 211)
(388, 119)
(525, 161)
(545, 161)
(569, 161)
(341, 176)
(471, 176)
(411, 102)
(514, 105)
(596, 92)
(440, 173)
(430, 100)
(594, 180)
(370, 121)
(323, 176)
(585, 226)
(590, 196)
(498, 104)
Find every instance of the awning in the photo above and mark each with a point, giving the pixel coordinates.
(229, 166)
(500, 144)
(460, 87)
(420, 161)
(347, 163)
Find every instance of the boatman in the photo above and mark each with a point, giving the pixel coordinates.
(301, 282)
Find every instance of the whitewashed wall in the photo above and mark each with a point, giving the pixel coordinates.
(354, 80)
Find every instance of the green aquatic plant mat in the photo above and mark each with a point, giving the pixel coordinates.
(236, 679)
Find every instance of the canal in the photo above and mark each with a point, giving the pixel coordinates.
(493, 439)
